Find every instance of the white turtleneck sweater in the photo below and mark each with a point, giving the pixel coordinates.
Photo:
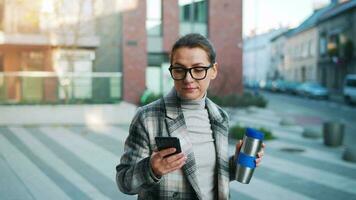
(199, 130)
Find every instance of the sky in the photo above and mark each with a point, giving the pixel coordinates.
(262, 15)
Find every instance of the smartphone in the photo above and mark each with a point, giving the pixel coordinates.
(168, 142)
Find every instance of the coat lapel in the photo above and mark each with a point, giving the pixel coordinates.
(177, 128)
(220, 134)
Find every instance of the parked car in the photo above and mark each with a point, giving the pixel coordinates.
(279, 86)
(291, 87)
(349, 89)
(268, 85)
(313, 90)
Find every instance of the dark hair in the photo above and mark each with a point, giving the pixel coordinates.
(193, 40)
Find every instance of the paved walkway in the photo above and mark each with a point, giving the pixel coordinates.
(54, 161)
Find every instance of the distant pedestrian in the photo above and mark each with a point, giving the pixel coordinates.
(204, 169)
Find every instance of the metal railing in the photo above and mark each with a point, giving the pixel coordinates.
(39, 87)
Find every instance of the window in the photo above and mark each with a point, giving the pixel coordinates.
(200, 12)
(333, 45)
(322, 45)
(185, 11)
(193, 16)
(154, 18)
(32, 61)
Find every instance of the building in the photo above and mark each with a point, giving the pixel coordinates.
(36, 53)
(257, 56)
(126, 51)
(278, 66)
(337, 39)
(301, 56)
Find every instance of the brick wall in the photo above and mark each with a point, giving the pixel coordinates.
(225, 31)
(170, 24)
(134, 52)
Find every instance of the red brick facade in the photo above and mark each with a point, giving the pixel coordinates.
(170, 23)
(225, 31)
(134, 52)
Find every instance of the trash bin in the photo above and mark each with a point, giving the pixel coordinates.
(350, 154)
(333, 133)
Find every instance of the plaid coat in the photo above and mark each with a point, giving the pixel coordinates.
(164, 117)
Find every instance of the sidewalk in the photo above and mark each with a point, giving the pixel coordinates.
(294, 167)
(75, 159)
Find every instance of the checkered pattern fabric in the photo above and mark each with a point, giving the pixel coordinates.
(164, 117)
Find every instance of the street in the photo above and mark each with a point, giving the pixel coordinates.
(78, 161)
(311, 112)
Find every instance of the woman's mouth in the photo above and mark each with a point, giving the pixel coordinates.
(189, 89)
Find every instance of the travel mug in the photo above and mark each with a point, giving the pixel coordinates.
(245, 163)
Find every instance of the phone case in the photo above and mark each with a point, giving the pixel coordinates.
(168, 142)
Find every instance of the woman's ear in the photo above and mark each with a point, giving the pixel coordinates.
(214, 71)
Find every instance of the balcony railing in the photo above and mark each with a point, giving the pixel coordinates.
(38, 87)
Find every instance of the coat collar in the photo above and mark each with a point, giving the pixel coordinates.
(173, 107)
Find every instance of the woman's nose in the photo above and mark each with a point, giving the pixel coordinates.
(188, 78)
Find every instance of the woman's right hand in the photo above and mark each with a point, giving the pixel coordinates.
(162, 165)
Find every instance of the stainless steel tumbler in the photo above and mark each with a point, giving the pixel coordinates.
(245, 163)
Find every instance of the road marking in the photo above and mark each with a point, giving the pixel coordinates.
(40, 186)
(57, 164)
(261, 189)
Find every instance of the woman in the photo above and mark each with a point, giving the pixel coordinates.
(203, 169)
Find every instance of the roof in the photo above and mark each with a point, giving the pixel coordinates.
(338, 9)
(285, 33)
(312, 20)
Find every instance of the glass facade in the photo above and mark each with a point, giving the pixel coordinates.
(154, 18)
(154, 26)
(193, 15)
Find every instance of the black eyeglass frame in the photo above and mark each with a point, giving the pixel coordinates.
(206, 68)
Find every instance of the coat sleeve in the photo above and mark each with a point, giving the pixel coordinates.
(133, 174)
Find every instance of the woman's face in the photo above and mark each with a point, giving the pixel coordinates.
(189, 88)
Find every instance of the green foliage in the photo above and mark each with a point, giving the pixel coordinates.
(148, 97)
(235, 100)
(237, 132)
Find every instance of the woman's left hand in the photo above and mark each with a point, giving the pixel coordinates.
(259, 156)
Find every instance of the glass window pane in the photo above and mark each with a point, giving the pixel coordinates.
(200, 11)
(185, 10)
(154, 17)
(154, 27)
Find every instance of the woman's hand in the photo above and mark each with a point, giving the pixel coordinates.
(259, 156)
(162, 165)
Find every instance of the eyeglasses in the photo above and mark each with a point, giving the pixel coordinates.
(197, 73)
